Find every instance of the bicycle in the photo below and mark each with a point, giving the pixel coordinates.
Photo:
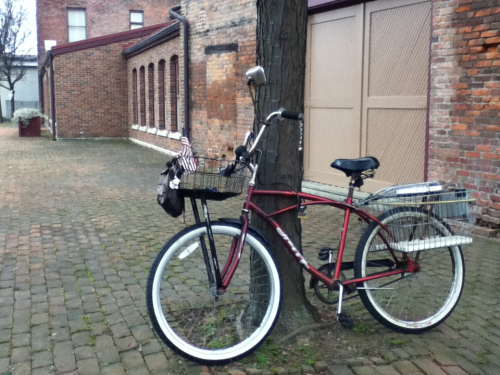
(214, 291)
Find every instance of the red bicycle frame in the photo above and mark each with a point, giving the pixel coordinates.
(238, 244)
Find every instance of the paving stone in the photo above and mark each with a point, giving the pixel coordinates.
(113, 369)
(132, 359)
(21, 368)
(364, 370)
(156, 361)
(84, 352)
(428, 367)
(442, 360)
(43, 371)
(20, 354)
(106, 350)
(64, 359)
(22, 339)
(339, 369)
(88, 366)
(255, 371)
(4, 363)
(138, 371)
(42, 359)
(453, 370)
(401, 353)
(386, 370)
(405, 367)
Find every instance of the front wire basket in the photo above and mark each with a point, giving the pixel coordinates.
(425, 221)
(208, 182)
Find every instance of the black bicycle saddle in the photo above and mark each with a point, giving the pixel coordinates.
(349, 166)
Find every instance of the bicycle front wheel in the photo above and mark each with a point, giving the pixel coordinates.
(411, 302)
(189, 315)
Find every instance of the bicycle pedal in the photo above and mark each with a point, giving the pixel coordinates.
(324, 253)
(345, 320)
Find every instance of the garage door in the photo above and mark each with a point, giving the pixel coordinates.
(366, 90)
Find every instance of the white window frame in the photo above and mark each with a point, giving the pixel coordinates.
(80, 27)
(134, 24)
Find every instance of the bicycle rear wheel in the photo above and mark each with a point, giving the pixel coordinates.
(411, 302)
(191, 318)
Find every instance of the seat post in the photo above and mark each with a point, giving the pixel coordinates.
(355, 182)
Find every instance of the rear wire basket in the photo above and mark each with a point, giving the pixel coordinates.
(208, 182)
(425, 221)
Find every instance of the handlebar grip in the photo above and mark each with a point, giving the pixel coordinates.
(241, 151)
(292, 115)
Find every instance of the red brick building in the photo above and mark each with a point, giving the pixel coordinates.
(464, 116)
(414, 82)
(65, 21)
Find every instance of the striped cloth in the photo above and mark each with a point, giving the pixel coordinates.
(186, 157)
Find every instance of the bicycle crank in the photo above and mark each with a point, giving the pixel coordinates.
(324, 294)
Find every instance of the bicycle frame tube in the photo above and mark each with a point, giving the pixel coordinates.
(232, 263)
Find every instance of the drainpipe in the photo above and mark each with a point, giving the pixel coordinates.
(40, 89)
(52, 96)
(173, 14)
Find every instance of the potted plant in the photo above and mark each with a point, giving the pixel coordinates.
(29, 120)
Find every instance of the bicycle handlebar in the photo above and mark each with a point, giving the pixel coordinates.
(292, 115)
(241, 152)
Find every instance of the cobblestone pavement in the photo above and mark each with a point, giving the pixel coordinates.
(79, 229)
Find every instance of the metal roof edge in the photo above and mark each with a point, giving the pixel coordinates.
(169, 30)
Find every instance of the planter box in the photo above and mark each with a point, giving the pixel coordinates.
(33, 128)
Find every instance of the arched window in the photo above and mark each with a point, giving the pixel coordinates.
(151, 95)
(161, 94)
(174, 94)
(135, 114)
(142, 88)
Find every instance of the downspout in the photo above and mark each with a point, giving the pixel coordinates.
(40, 89)
(173, 14)
(52, 96)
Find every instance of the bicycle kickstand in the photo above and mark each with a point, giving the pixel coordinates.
(343, 318)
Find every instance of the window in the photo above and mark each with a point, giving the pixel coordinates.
(135, 114)
(174, 94)
(151, 94)
(77, 25)
(136, 19)
(161, 94)
(142, 96)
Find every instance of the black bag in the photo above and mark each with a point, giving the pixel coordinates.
(170, 199)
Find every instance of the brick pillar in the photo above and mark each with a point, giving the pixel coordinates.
(464, 123)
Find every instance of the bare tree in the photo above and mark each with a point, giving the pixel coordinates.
(281, 51)
(12, 38)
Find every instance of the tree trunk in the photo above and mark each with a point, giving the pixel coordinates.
(12, 106)
(1, 113)
(281, 51)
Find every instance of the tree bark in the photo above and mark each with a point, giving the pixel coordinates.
(281, 51)
(12, 105)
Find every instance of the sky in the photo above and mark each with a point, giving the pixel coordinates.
(30, 7)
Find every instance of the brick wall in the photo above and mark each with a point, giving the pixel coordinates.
(222, 47)
(90, 92)
(156, 115)
(103, 17)
(464, 138)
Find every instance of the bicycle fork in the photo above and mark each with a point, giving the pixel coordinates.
(210, 259)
